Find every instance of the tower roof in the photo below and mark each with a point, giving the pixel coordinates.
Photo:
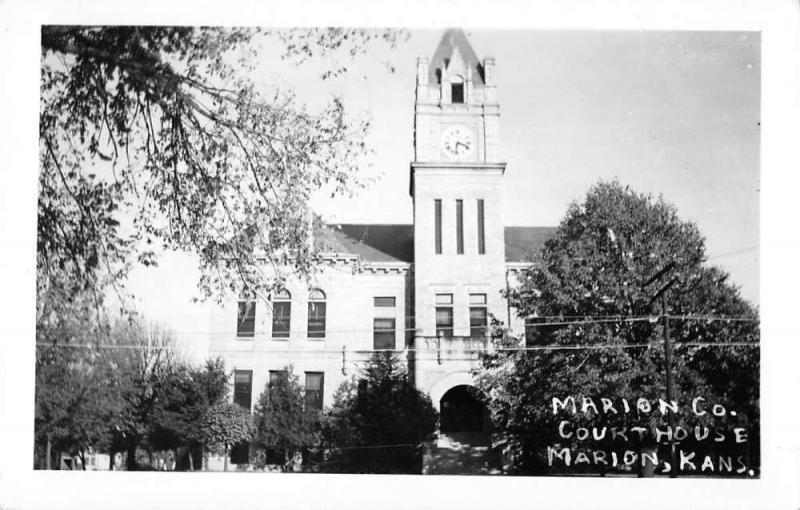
(455, 41)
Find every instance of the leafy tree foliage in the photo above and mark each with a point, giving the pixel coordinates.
(182, 398)
(78, 402)
(226, 424)
(166, 125)
(285, 425)
(378, 423)
(157, 137)
(611, 255)
(150, 374)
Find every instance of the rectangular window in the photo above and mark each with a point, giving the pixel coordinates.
(314, 384)
(384, 334)
(438, 225)
(478, 317)
(246, 319)
(477, 299)
(457, 93)
(477, 321)
(316, 319)
(275, 376)
(444, 315)
(385, 302)
(444, 321)
(243, 388)
(281, 318)
(460, 227)
(444, 299)
(481, 239)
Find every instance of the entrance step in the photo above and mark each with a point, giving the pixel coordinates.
(459, 453)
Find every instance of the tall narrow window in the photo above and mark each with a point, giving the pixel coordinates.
(384, 334)
(437, 205)
(460, 227)
(457, 92)
(478, 318)
(246, 319)
(481, 239)
(384, 323)
(315, 382)
(316, 314)
(444, 315)
(243, 388)
(242, 395)
(281, 314)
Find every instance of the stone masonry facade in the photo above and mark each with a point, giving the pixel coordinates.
(419, 290)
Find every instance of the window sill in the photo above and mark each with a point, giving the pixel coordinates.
(245, 338)
(280, 339)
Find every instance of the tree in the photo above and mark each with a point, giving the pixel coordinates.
(378, 423)
(611, 255)
(285, 425)
(150, 374)
(164, 125)
(77, 402)
(181, 399)
(226, 424)
(157, 137)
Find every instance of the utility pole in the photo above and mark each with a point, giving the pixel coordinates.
(673, 472)
(662, 293)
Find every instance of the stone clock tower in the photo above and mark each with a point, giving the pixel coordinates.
(456, 185)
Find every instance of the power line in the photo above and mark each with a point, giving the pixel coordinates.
(735, 252)
(338, 352)
(601, 320)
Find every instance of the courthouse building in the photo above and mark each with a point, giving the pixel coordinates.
(425, 290)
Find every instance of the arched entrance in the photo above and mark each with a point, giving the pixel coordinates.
(461, 410)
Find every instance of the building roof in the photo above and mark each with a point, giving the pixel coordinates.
(395, 243)
(373, 243)
(455, 38)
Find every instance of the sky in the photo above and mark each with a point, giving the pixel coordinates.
(665, 112)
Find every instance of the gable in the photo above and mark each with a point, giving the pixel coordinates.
(454, 39)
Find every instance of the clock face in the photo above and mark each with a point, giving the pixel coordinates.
(457, 142)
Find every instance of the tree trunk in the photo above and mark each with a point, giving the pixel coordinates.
(191, 459)
(83, 460)
(131, 460)
(48, 461)
(111, 455)
(226, 458)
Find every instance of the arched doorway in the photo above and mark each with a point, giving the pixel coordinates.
(461, 410)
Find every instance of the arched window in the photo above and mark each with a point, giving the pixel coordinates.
(456, 90)
(281, 314)
(316, 314)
